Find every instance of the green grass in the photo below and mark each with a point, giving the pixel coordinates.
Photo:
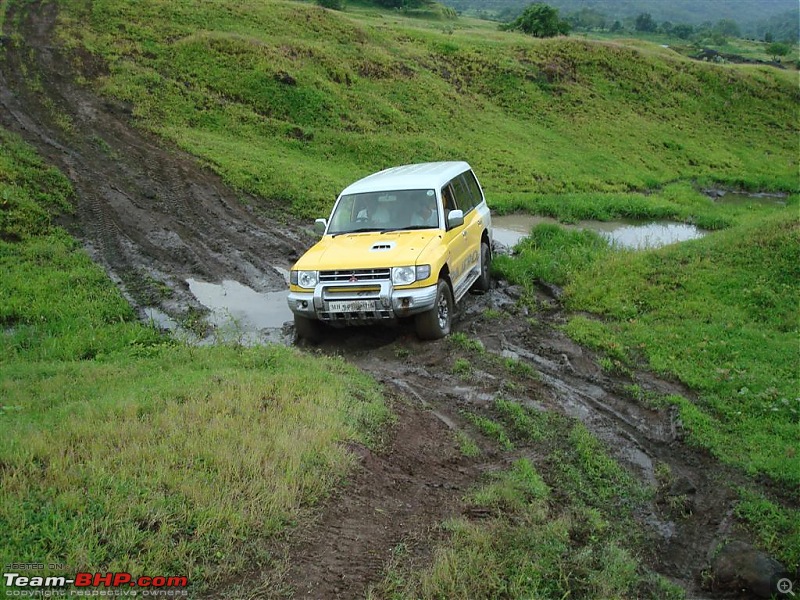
(721, 314)
(467, 445)
(491, 429)
(555, 525)
(122, 450)
(293, 102)
(551, 253)
(462, 367)
(776, 527)
(461, 340)
(678, 201)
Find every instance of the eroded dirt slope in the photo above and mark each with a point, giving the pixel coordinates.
(149, 213)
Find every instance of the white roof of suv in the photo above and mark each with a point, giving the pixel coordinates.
(420, 176)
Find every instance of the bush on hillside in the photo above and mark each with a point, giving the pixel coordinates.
(539, 20)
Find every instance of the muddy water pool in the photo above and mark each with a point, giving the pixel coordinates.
(510, 229)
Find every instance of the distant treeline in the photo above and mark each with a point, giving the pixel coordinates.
(770, 20)
(430, 8)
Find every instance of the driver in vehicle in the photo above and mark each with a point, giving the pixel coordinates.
(425, 214)
(374, 213)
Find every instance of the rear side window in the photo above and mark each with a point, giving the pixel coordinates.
(474, 188)
(464, 199)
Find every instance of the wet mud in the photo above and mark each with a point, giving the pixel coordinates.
(161, 224)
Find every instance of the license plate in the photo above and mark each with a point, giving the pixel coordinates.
(352, 306)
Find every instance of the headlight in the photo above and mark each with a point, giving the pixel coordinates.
(305, 279)
(403, 275)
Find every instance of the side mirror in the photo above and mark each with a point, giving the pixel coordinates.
(320, 225)
(455, 218)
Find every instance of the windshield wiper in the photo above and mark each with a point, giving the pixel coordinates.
(409, 228)
(361, 230)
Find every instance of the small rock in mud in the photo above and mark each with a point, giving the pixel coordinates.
(739, 566)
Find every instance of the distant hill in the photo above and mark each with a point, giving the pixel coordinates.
(748, 14)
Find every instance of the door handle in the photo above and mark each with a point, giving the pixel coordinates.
(464, 233)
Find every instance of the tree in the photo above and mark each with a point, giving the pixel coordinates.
(727, 27)
(682, 30)
(768, 37)
(616, 27)
(777, 49)
(539, 20)
(645, 22)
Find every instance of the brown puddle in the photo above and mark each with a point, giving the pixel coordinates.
(235, 308)
(634, 235)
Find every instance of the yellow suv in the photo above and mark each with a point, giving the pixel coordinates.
(408, 241)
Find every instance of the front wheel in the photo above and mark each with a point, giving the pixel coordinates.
(435, 324)
(484, 281)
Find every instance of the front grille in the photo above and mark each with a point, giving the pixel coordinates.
(360, 275)
(356, 318)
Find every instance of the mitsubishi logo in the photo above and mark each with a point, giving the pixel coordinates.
(353, 279)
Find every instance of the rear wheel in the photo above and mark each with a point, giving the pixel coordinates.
(435, 324)
(307, 329)
(484, 282)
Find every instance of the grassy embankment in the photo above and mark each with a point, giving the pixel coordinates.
(122, 450)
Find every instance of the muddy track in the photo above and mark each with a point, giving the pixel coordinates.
(153, 217)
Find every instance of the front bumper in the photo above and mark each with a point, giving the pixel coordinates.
(389, 303)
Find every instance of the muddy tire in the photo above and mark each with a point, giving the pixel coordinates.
(435, 324)
(484, 282)
(307, 329)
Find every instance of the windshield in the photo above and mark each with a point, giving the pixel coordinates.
(385, 211)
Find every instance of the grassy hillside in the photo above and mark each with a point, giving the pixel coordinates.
(122, 450)
(291, 101)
